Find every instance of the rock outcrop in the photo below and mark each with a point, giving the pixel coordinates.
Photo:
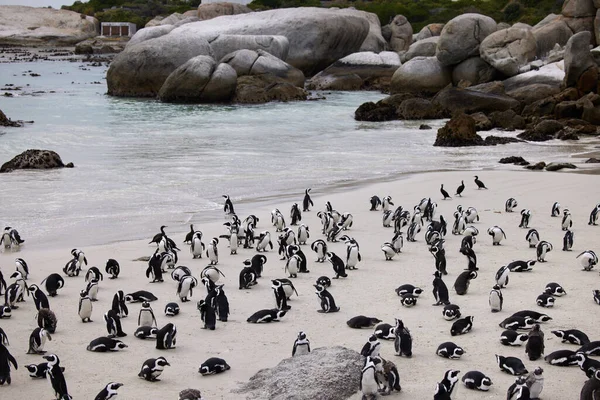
(23, 25)
(401, 33)
(258, 62)
(421, 75)
(549, 32)
(458, 132)
(263, 88)
(33, 159)
(421, 48)
(581, 71)
(473, 71)
(331, 373)
(470, 101)
(461, 37)
(509, 49)
(5, 121)
(213, 10)
(430, 30)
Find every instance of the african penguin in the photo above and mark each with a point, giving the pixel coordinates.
(146, 315)
(327, 301)
(152, 368)
(213, 366)
(85, 307)
(511, 365)
(477, 381)
(166, 337)
(301, 345)
(449, 350)
(462, 326)
(403, 339)
(104, 344)
(109, 391)
(266, 316)
(56, 377)
(37, 340)
(496, 299)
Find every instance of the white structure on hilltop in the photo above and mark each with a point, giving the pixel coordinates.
(117, 29)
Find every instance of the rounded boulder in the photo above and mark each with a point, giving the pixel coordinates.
(461, 37)
(509, 49)
(421, 75)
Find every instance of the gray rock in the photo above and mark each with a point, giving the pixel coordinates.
(521, 25)
(595, 52)
(578, 58)
(550, 33)
(461, 37)
(213, 10)
(550, 74)
(5, 121)
(508, 120)
(149, 33)
(470, 101)
(374, 41)
(509, 49)
(345, 82)
(421, 75)
(402, 32)
(558, 166)
(430, 30)
(473, 70)
(33, 159)
(531, 93)
(482, 122)
(417, 108)
(186, 20)
(459, 131)
(577, 25)
(422, 48)
(251, 62)
(222, 45)
(495, 87)
(502, 25)
(578, 8)
(331, 373)
(548, 127)
(263, 88)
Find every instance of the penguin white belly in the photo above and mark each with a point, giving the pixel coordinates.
(185, 288)
(301, 350)
(495, 303)
(292, 266)
(86, 309)
(302, 237)
(196, 248)
(146, 319)
(6, 240)
(352, 258)
(212, 255)
(233, 243)
(368, 383)
(212, 275)
(93, 292)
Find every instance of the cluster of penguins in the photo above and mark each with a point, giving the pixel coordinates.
(378, 375)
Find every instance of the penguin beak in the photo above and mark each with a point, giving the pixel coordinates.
(167, 363)
(118, 385)
(46, 358)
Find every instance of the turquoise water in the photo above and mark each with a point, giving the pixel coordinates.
(140, 163)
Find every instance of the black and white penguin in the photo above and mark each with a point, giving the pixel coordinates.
(213, 366)
(37, 340)
(185, 288)
(408, 300)
(389, 251)
(594, 214)
(93, 273)
(112, 268)
(521, 266)
(587, 259)
(52, 283)
(460, 189)
(220, 303)
(496, 299)
(338, 265)
(212, 273)
(590, 349)
(451, 312)
(450, 380)
(595, 293)
(301, 345)
(375, 202)
(319, 246)
(591, 388)
(56, 377)
(295, 214)
(39, 297)
(2, 283)
(207, 314)
(307, 201)
(11, 238)
(104, 344)
(6, 359)
(146, 315)
(146, 332)
(533, 237)
(247, 278)
(38, 370)
(573, 336)
(450, 350)
(543, 248)
(461, 285)
(166, 337)
(368, 379)
(402, 340)
(92, 289)
(113, 324)
(502, 276)
(387, 218)
(535, 343)
(327, 301)
(85, 307)
(266, 316)
(408, 289)
(155, 267)
(512, 338)
(47, 319)
(212, 251)
(536, 316)
(462, 326)
(323, 281)
(497, 235)
(5, 312)
(171, 309)
(440, 290)
(555, 212)
(371, 348)
(152, 368)
(510, 204)
(360, 322)
(228, 206)
(517, 322)
(292, 266)
(303, 234)
(3, 337)
(22, 267)
(587, 364)
(477, 381)
(280, 295)
(439, 254)
(79, 255)
(353, 256)
(181, 271)
(444, 192)
(118, 304)
(525, 218)
(257, 264)
(385, 331)
(511, 365)
(518, 390)
(535, 383)
(109, 391)
(386, 202)
(545, 300)
(567, 220)
(196, 246)
(555, 289)
(412, 231)
(568, 240)
(388, 377)
(562, 358)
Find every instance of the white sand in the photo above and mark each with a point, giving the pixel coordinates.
(369, 291)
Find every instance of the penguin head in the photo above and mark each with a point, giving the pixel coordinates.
(452, 375)
(496, 287)
(538, 371)
(558, 333)
(33, 288)
(162, 361)
(544, 318)
(486, 381)
(31, 368)
(301, 335)
(121, 346)
(580, 357)
(44, 332)
(281, 313)
(145, 304)
(113, 386)
(319, 288)
(52, 359)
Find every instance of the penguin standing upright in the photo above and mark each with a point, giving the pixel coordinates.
(207, 314)
(440, 290)
(146, 315)
(496, 299)
(497, 235)
(5, 360)
(371, 348)
(92, 289)
(56, 377)
(307, 201)
(212, 251)
(525, 217)
(338, 265)
(542, 249)
(197, 247)
(37, 341)
(533, 237)
(118, 304)
(109, 391)
(228, 206)
(295, 214)
(112, 268)
(594, 215)
(85, 307)
(568, 240)
(518, 390)
(510, 204)
(113, 324)
(327, 301)
(220, 303)
(39, 297)
(186, 286)
(535, 383)
(280, 295)
(502, 276)
(439, 254)
(368, 381)
(567, 221)
(535, 343)
(301, 345)
(555, 212)
(22, 267)
(402, 339)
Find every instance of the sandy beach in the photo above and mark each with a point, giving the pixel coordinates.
(368, 291)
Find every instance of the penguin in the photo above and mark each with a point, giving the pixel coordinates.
(39, 297)
(228, 206)
(295, 214)
(387, 218)
(496, 299)
(525, 217)
(412, 231)
(388, 251)
(213, 366)
(521, 266)
(104, 344)
(56, 377)
(93, 273)
(462, 326)
(92, 289)
(247, 278)
(159, 236)
(360, 322)
(440, 290)
(535, 343)
(152, 368)
(301, 345)
(441, 393)
(292, 266)
(536, 316)
(85, 307)
(461, 285)
(587, 259)
(6, 359)
(112, 268)
(180, 272)
(37, 340)
(22, 267)
(375, 202)
(408, 289)
(590, 349)
(386, 202)
(307, 201)
(533, 237)
(11, 238)
(266, 316)
(3, 338)
(587, 364)
(470, 231)
(368, 381)
(324, 281)
(460, 189)
(166, 337)
(320, 247)
(113, 324)
(594, 215)
(257, 264)
(543, 248)
(326, 299)
(109, 391)
(595, 293)
(207, 314)
(518, 390)
(450, 350)
(2, 282)
(497, 235)
(5, 311)
(52, 283)
(220, 303)
(338, 265)
(555, 212)
(155, 267)
(38, 370)
(385, 331)
(510, 204)
(477, 381)
(47, 319)
(568, 240)
(303, 234)
(371, 348)
(512, 338)
(264, 240)
(408, 300)
(197, 247)
(450, 380)
(353, 256)
(511, 365)
(388, 377)
(444, 193)
(146, 315)
(185, 288)
(535, 383)
(555, 289)
(561, 358)
(171, 309)
(516, 323)
(402, 340)
(471, 258)
(119, 306)
(280, 295)
(567, 221)
(212, 273)
(346, 221)
(591, 388)
(439, 254)
(545, 300)
(146, 332)
(573, 336)
(212, 251)
(451, 312)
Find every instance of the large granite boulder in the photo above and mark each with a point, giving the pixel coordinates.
(331, 373)
(23, 25)
(549, 32)
(148, 33)
(417, 108)
(459, 131)
(509, 49)
(257, 62)
(430, 30)
(550, 74)
(170, 20)
(199, 80)
(422, 48)
(421, 75)
(473, 70)
(461, 37)
(577, 25)
(222, 45)
(401, 33)
(578, 8)
(531, 93)
(597, 27)
(263, 88)
(213, 10)
(581, 71)
(470, 101)
(34, 159)
(374, 41)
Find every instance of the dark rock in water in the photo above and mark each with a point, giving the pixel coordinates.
(458, 132)
(568, 109)
(508, 120)
(417, 108)
(424, 127)
(69, 165)
(592, 160)
(567, 134)
(559, 166)
(495, 140)
(471, 101)
(254, 89)
(33, 159)
(516, 160)
(537, 166)
(482, 122)
(533, 136)
(5, 121)
(331, 373)
(373, 112)
(548, 127)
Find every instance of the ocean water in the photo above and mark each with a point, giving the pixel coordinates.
(140, 163)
